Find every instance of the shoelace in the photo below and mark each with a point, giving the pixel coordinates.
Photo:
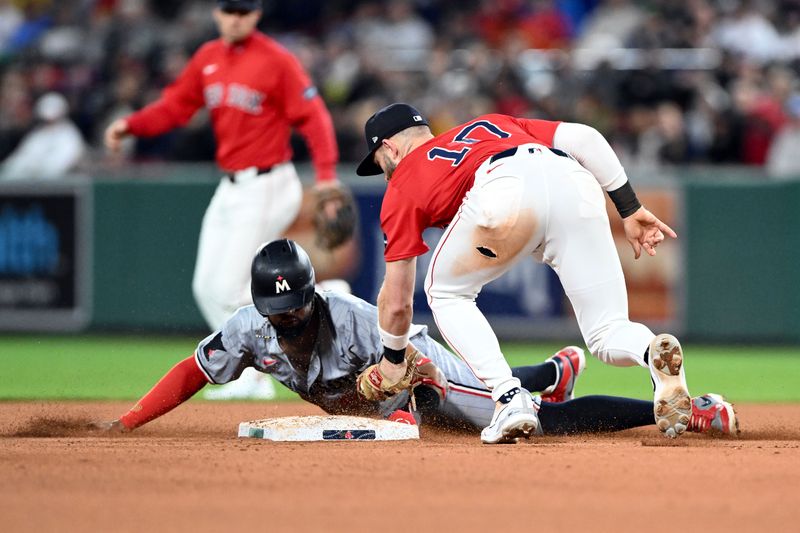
(701, 420)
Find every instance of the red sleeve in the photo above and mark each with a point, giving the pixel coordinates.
(179, 101)
(177, 386)
(544, 130)
(307, 112)
(402, 223)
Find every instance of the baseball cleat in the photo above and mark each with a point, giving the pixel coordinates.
(672, 404)
(517, 419)
(712, 414)
(569, 362)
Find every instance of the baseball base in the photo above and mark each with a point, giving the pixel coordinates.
(326, 428)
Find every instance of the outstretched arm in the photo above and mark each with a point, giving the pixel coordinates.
(178, 385)
(642, 229)
(395, 310)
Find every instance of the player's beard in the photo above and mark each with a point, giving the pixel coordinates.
(296, 330)
(388, 166)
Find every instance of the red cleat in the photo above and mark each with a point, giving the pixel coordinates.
(570, 362)
(711, 413)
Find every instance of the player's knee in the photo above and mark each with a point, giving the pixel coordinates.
(619, 343)
(215, 293)
(440, 295)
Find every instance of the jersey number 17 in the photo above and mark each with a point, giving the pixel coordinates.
(463, 137)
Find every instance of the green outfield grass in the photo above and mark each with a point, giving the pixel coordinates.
(125, 367)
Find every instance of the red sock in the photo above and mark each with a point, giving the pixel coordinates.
(177, 386)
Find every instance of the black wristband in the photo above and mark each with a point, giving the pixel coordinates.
(394, 356)
(625, 200)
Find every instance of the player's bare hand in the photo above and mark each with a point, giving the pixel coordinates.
(111, 426)
(115, 132)
(392, 372)
(645, 231)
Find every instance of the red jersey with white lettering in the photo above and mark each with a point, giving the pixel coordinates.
(428, 185)
(256, 91)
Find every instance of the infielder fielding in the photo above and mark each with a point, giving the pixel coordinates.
(320, 344)
(256, 92)
(507, 188)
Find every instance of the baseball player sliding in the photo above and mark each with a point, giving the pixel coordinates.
(507, 188)
(322, 345)
(256, 92)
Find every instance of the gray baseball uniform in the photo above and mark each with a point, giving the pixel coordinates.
(348, 342)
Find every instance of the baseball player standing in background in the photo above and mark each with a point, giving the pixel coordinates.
(256, 92)
(507, 188)
(318, 344)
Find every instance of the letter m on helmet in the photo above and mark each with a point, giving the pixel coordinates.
(281, 286)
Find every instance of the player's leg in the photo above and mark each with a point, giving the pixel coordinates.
(213, 229)
(490, 233)
(595, 414)
(469, 405)
(580, 248)
(556, 377)
(240, 217)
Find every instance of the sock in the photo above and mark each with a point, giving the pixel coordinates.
(589, 414)
(536, 378)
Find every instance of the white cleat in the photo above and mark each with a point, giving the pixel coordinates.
(514, 420)
(672, 404)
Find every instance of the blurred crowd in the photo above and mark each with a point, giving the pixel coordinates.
(667, 81)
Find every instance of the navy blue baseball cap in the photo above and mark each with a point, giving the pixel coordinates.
(389, 121)
(239, 5)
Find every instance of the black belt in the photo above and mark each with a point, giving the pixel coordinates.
(232, 175)
(511, 151)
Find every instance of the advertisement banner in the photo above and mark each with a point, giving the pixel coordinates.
(44, 255)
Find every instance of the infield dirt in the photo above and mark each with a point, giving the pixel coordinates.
(188, 472)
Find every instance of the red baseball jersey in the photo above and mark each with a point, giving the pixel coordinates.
(256, 91)
(428, 185)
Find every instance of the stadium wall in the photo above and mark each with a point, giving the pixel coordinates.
(734, 279)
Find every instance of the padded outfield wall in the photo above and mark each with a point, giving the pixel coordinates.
(731, 276)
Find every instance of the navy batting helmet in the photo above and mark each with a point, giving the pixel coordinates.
(282, 278)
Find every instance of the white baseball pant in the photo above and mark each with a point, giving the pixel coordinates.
(538, 203)
(242, 215)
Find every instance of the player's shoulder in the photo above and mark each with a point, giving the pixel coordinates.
(273, 49)
(497, 119)
(344, 302)
(246, 318)
(208, 49)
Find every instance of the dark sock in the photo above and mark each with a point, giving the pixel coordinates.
(591, 414)
(536, 378)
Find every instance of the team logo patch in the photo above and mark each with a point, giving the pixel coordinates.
(281, 285)
(417, 118)
(375, 139)
(348, 434)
